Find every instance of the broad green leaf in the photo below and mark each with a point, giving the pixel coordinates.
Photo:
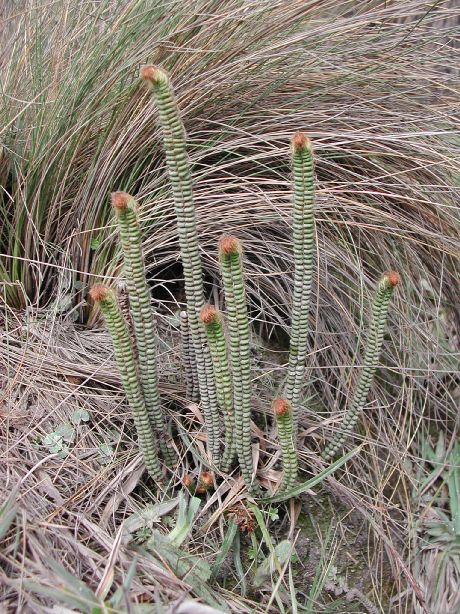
(65, 596)
(53, 442)
(105, 453)
(71, 581)
(95, 242)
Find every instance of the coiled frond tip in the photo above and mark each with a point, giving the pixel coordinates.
(391, 278)
(153, 75)
(281, 407)
(229, 245)
(301, 142)
(209, 314)
(120, 200)
(99, 293)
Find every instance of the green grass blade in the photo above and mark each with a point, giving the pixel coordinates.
(298, 490)
(7, 516)
(225, 547)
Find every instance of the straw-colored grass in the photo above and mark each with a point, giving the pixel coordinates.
(375, 85)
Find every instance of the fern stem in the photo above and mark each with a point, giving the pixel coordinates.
(303, 246)
(116, 325)
(125, 208)
(181, 182)
(284, 420)
(213, 326)
(192, 392)
(374, 345)
(230, 252)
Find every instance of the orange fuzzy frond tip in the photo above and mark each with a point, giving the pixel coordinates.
(392, 278)
(120, 200)
(152, 74)
(281, 407)
(229, 245)
(208, 314)
(187, 481)
(99, 293)
(206, 480)
(301, 141)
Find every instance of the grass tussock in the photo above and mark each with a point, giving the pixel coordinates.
(375, 86)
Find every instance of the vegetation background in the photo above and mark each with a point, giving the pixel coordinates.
(376, 86)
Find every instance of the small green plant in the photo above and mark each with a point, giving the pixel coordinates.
(105, 453)
(80, 415)
(67, 589)
(59, 440)
(218, 364)
(437, 539)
